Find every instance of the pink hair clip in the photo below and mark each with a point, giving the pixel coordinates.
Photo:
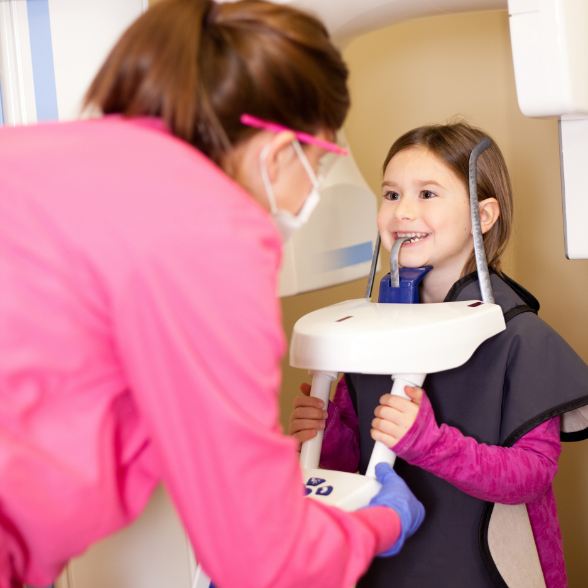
(259, 123)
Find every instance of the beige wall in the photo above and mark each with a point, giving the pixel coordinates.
(431, 70)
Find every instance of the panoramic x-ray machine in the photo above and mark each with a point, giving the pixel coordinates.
(50, 49)
(393, 337)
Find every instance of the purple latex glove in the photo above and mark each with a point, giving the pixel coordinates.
(397, 495)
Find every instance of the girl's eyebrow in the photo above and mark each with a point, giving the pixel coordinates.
(388, 184)
(431, 183)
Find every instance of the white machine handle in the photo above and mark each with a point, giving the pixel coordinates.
(201, 580)
(311, 449)
(380, 452)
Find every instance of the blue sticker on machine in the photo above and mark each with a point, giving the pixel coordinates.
(347, 256)
(324, 490)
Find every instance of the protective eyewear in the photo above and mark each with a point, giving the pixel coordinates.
(258, 123)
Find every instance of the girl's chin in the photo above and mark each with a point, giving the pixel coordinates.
(413, 260)
(414, 265)
(414, 253)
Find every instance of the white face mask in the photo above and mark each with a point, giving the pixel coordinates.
(286, 222)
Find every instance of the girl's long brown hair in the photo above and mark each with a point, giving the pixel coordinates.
(199, 65)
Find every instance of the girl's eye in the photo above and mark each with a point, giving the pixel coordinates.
(427, 194)
(391, 195)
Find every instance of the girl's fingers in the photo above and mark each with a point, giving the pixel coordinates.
(415, 394)
(303, 436)
(308, 401)
(404, 420)
(308, 415)
(395, 415)
(387, 440)
(309, 412)
(397, 402)
(304, 424)
(388, 427)
(305, 388)
(390, 414)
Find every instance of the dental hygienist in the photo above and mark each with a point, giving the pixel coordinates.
(140, 334)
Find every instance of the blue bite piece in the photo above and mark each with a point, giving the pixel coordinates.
(408, 291)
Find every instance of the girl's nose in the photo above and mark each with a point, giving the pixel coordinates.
(405, 209)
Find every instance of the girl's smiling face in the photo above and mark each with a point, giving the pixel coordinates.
(424, 199)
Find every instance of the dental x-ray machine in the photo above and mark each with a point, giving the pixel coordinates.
(392, 337)
(50, 49)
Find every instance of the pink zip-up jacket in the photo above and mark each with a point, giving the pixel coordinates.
(140, 342)
(519, 474)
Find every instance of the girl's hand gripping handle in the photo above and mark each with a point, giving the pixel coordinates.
(381, 453)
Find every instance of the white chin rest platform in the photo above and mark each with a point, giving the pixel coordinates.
(359, 336)
(406, 341)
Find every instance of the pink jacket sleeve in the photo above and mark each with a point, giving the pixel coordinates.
(340, 449)
(509, 475)
(200, 338)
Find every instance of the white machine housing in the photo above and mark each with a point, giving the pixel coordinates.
(549, 41)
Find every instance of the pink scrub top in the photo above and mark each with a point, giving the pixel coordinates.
(140, 341)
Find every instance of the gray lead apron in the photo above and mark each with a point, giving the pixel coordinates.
(513, 382)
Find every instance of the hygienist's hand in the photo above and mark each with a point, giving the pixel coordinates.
(397, 495)
(395, 416)
(309, 415)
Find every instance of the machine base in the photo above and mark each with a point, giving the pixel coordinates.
(342, 489)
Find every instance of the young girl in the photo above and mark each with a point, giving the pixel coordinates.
(480, 444)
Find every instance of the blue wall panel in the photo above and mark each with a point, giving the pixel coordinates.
(42, 58)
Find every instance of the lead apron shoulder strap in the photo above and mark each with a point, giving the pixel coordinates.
(510, 537)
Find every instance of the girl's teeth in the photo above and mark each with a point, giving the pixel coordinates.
(413, 237)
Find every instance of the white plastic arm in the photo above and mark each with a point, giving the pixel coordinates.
(311, 449)
(201, 580)
(381, 453)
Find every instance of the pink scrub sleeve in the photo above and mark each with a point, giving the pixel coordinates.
(201, 345)
(144, 345)
(199, 336)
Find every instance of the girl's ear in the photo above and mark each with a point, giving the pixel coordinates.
(489, 213)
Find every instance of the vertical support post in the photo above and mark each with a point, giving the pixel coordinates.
(311, 449)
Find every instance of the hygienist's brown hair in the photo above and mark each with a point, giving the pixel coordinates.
(200, 65)
(452, 144)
